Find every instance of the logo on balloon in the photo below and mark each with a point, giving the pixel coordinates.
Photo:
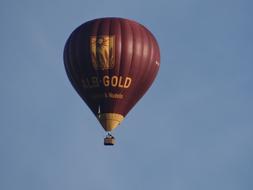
(102, 52)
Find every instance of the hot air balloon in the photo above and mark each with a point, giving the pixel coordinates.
(111, 63)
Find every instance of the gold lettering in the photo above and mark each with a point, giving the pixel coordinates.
(127, 82)
(114, 81)
(115, 96)
(94, 82)
(121, 82)
(106, 80)
(90, 82)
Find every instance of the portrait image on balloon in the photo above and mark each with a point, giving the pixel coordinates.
(111, 63)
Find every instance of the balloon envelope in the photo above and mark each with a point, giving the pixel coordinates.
(111, 63)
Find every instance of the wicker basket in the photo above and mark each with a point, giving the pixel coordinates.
(109, 141)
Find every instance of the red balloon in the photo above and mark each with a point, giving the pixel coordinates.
(111, 63)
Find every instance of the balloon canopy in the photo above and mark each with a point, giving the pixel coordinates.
(111, 63)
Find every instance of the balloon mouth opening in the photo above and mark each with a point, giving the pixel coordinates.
(110, 121)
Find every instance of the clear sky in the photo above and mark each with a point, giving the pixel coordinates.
(193, 129)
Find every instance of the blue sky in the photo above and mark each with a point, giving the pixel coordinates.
(192, 130)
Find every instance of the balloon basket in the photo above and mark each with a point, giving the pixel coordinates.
(109, 140)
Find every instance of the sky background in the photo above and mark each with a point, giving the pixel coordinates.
(193, 130)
